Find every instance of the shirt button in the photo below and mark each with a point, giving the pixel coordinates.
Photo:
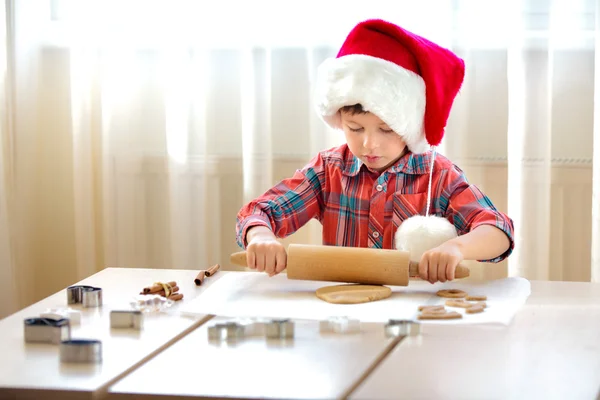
(379, 188)
(375, 235)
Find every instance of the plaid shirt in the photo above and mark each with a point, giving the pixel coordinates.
(359, 208)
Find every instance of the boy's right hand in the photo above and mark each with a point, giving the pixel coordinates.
(264, 252)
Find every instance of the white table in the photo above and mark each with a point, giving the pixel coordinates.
(27, 368)
(311, 366)
(550, 351)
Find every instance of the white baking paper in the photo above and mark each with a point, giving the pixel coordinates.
(253, 294)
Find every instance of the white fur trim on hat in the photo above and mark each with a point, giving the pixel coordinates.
(419, 234)
(394, 94)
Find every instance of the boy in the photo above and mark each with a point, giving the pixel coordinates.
(391, 92)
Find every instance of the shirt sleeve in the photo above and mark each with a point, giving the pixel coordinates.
(287, 206)
(468, 207)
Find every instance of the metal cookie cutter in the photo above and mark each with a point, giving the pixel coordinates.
(126, 319)
(46, 330)
(254, 326)
(339, 325)
(226, 331)
(74, 316)
(89, 296)
(396, 328)
(81, 351)
(280, 329)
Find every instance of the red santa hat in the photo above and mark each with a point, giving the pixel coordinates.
(404, 79)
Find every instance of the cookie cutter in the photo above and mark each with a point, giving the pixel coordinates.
(399, 327)
(226, 331)
(279, 329)
(89, 296)
(74, 316)
(75, 293)
(126, 319)
(81, 351)
(238, 328)
(256, 328)
(46, 330)
(339, 325)
(253, 326)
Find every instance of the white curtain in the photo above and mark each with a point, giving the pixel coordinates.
(8, 296)
(132, 131)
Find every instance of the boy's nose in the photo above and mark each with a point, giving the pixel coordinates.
(370, 142)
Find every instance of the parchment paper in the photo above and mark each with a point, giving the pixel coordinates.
(253, 294)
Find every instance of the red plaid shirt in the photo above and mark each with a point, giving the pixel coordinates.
(359, 208)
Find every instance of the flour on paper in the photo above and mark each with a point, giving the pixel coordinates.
(253, 294)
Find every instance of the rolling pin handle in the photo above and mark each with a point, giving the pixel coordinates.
(461, 272)
(239, 258)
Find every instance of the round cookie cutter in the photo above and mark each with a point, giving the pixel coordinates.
(81, 351)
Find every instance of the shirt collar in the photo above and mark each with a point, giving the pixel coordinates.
(410, 163)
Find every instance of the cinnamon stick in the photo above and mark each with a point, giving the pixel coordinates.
(174, 289)
(163, 294)
(157, 288)
(212, 270)
(200, 277)
(176, 296)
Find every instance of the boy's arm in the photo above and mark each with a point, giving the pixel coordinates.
(287, 206)
(486, 234)
(484, 242)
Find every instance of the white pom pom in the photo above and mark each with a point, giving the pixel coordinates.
(419, 233)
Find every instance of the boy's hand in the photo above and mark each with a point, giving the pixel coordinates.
(264, 252)
(439, 263)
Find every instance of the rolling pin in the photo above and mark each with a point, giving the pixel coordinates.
(349, 264)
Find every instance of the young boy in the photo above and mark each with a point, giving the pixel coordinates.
(391, 92)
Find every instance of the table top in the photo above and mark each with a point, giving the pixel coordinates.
(313, 365)
(550, 350)
(28, 367)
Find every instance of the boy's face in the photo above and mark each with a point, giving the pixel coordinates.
(371, 140)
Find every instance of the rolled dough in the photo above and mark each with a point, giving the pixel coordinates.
(353, 293)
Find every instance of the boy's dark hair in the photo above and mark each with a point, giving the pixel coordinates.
(354, 109)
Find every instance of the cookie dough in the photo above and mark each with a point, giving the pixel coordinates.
(458, 303)
(446, 315)
(452, 293)
(474, 309)
(476, 298)
(353, 293)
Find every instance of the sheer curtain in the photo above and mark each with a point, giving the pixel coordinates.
(8, 296)
(133, 131)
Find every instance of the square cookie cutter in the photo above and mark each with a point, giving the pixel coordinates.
(401, 328)
(46, 330)
(126, 319)
(339, 325)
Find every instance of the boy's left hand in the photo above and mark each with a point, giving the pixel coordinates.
(439, 263)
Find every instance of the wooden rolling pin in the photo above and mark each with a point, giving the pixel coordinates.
(349, 264)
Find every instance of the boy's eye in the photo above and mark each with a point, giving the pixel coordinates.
(355, 129)
(387, 130)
